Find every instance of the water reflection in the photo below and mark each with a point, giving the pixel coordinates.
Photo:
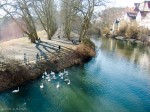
(137, 53)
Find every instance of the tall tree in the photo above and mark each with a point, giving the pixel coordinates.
(45, 10)
(86, 9)
(20, 11)
(69, 14)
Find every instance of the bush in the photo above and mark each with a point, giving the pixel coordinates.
(143, 31)
(105, 30)
(85, 52)
(88, 42)
(132, 30)
(122, 28)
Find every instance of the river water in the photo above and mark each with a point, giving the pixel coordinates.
(117, 79)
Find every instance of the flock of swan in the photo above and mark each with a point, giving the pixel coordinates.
(52, 76)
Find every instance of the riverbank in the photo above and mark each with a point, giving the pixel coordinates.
(145, 41)
(17, 72)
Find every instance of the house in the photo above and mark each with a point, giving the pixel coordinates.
(143, 15)
(140, 13)
(130, 16)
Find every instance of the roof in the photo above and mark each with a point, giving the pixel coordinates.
(144, 6)
(144, 13)
(132, 14)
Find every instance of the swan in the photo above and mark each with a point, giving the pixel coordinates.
(15, 91)
(57, 86)
(66, 72)
(45, 73)
(42, 86)
(60, 74)
(52, 73)
(49, 80)
(43, 76)
(62, 77)
(54, 77)
(47, 77)
(68, 82)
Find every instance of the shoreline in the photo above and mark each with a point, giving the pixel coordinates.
(137, 41)
(17, 73)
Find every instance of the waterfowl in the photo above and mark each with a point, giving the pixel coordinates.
(42, 86)
(60, 74)
(68, 82)
(57, 86)
(15, 91)
(52, 73)
(49, 80)
(66, 72)
(47, 77)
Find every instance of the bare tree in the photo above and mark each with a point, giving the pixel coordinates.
(20, 11)
(86, 10)
(45, 10)
(109, 15)
(69, 14)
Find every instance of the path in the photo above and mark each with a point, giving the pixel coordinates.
(16, 48)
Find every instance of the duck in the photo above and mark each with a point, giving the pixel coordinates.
(68, 82)
(57, 86)
(42, 86)
(15, 91)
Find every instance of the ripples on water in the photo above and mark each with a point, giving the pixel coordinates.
(116, 80)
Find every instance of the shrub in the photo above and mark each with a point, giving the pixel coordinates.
(122, 28)
(132, 30)
(143, 31)
(88, 42)
(105, 30)
(85, 52)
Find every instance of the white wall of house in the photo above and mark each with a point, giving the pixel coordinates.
(126, 18)
(138, 17)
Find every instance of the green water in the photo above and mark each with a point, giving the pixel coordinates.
(116, 80)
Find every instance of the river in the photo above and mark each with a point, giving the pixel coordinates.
(117, 79)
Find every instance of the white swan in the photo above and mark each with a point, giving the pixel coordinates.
(42, 86)
(54, 77)
(68, 82)
(47, 77)
(62, 77)
(52, 73)
(57, 86)
(15, 91)
(60, 74)
(45, 73)
(49, 80)
(66, 72)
